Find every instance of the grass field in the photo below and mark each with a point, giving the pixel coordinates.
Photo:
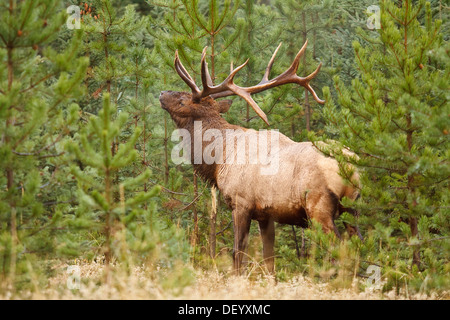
(190, 284)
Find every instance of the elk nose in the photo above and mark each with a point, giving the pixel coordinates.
(163, 94)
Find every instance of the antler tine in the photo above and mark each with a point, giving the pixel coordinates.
(182, 72)
(224, 86)
(248, 98)
(308, 86)
(179, 66)
(230, 77)
(290, 75)
(206, 77)
(294, 66)
(228, 84)
(265, 78)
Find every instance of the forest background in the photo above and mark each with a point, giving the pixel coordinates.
(87, 176)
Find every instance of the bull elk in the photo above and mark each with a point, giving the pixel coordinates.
(307, 184)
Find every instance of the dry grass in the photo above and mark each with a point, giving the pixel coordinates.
(143, 283)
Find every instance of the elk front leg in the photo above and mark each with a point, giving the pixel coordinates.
(327, 223)
(241, 225)
(267, 229)
(353, 230)
(321, 207)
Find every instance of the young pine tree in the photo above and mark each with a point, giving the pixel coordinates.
(259, 35)
(395, 118)
(188, 27)
(99, 209)
(37, 89)
(301, 22)
(109, 30)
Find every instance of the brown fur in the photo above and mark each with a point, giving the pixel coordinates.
(306, 186)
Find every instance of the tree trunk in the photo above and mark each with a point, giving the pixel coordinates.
(415, 234)
(212, 224)
(10, 175)
(297, 249)
(307, 108)
(194, 238)
(166, 153)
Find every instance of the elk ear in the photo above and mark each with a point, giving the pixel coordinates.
(224, 105)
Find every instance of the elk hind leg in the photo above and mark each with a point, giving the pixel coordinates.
(267, 229)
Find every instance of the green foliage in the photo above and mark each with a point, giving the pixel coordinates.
(81, 127)
(394, 117)
(38, 89)
(110, 34)
(110, 203)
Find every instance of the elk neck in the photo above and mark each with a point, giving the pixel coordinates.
(208, 172)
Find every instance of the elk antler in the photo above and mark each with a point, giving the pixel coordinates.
(228, 87)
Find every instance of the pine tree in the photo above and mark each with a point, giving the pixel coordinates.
(189, 27)
(395, 118)
(109, 30)
(97, 182)
(258, 36)
(301, 22)
(140, 101)
(340, 23)
(37, 90)
(112, 40)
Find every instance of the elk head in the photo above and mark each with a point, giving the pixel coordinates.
(184, 107)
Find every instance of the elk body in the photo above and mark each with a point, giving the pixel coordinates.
(293, 184)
